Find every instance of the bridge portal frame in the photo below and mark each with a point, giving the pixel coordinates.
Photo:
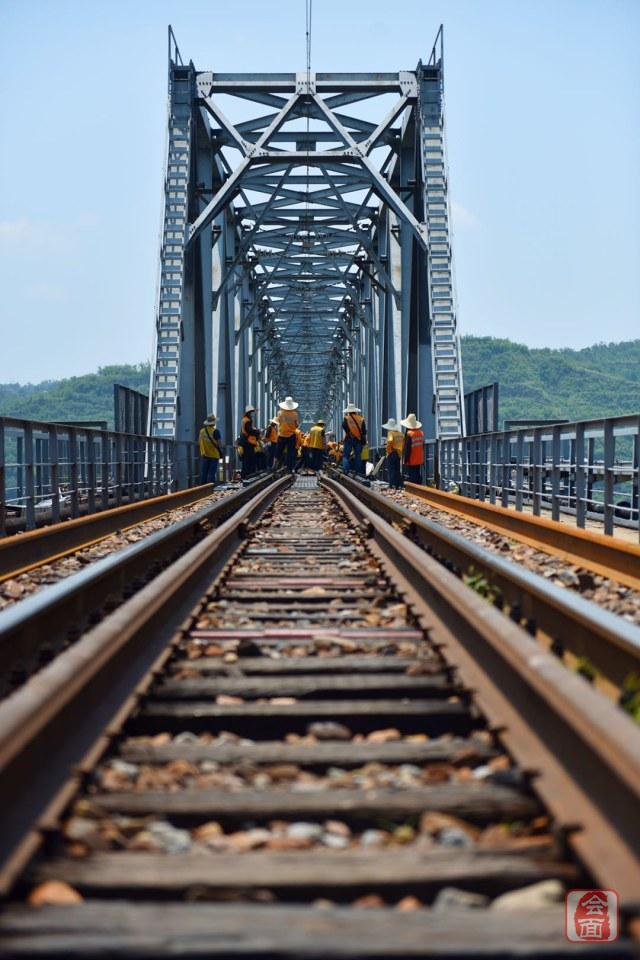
(318, 262)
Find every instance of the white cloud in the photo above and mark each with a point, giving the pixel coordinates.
(463, 219)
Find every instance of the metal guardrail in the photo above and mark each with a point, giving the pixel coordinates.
(51, 471)
(588, 468)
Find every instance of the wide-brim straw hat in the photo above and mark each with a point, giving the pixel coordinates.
(249, 408)
(210, 419)
(352, 408)
(391, 424)
(288, 404)
(411, 423)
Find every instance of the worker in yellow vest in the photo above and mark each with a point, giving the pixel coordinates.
(394, 452)
(287, 426)
(355, 436)
(210, 444)
(413, 456)
(317, 444)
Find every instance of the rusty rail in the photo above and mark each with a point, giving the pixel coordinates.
(595, 551)
(582, 753)
(64, 717)
(571, 623)
(25, 551)
(34, 629)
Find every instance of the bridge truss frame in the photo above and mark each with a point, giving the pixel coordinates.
(306, 250)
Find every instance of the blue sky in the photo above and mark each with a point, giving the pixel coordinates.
(544, 148)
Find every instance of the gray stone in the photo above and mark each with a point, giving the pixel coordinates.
(329, 730)
(186, 737)
(304, 831)
(372, 838)
(534, 897)
(454, 837)
(170, 838)
(335, 842)
(450, 898)
(124, 767)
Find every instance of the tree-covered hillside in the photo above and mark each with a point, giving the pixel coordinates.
(603, 380)
(89, 397)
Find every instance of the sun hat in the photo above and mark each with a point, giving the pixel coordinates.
(320, 423)
(274, 420)
(411, 423)
(211, 418)
(391, 424)
(288, 404)
(249, 408)
(352, 408)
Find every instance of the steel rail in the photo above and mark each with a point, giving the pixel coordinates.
(41, 622)
(609, 642)
(25, 551)
(602, 554)
(55, 727)
(582, 753)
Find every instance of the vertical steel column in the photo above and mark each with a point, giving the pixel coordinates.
(609, 477)
(555, 473)
(536, 472)
(105, 451)
(164, 403)
(445, 344)
(73, 471)
(91, 471)
(580, 475)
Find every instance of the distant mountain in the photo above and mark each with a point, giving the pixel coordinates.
(599, 381)
(603, 380)
(89, 397)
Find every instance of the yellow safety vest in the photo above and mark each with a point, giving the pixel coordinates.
(316, 438)
(208, 444)
(395, 441)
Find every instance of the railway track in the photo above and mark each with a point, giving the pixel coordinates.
(35, 630)
(23, 552)
(613, 558)
(580, 633)
(306, 738)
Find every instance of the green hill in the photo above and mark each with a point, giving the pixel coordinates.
(89, 397)
(603, 380)
(599, 381)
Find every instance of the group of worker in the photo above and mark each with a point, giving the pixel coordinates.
(283, 444)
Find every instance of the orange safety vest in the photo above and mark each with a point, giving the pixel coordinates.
(271, 434)
(354, 425)
(247, 430)
(414, 448)
(287, 423)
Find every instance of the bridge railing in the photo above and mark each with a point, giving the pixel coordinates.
(588, 469)
(50, 471)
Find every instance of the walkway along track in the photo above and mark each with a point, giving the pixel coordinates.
(570, 625)
(36, 629)
(302, 634)
(595, 551)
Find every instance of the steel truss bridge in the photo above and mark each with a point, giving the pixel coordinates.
(306, 249)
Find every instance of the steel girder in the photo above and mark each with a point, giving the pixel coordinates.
(306, 250)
